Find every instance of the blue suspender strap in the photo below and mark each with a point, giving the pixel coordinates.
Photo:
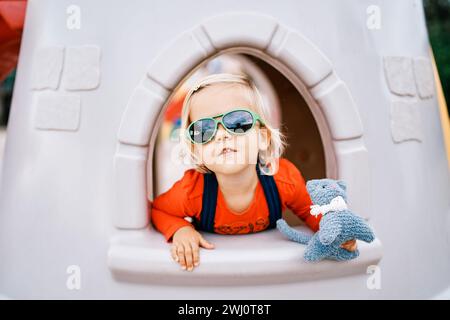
(209, 201)
(272, 196)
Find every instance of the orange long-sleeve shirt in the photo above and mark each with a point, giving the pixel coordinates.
(184, 199)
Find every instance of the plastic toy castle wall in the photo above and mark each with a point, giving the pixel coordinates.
(92, 82)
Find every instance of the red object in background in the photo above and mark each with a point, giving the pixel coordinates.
(12, 17)
(175, 106)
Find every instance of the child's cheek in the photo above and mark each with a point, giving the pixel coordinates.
(198, 151)
(249, 146)
(206, 153)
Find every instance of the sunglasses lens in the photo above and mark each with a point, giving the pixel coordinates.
(202, 130)
(238, 121)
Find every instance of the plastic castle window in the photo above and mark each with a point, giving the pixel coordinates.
(143, 255)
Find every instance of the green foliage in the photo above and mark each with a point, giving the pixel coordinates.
(437, 13)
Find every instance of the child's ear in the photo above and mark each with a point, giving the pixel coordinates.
(263, 139)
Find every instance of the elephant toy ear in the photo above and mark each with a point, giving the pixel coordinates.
(342, 184)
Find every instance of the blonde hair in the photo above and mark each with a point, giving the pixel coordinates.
(277, 140)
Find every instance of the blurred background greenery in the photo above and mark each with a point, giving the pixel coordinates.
(6, 89)
(437, 13)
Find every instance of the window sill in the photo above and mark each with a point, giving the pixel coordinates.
(143, 256)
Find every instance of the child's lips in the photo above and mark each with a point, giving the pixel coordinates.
(226, 151)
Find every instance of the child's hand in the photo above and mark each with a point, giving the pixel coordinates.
(185, 247)
(349, 245)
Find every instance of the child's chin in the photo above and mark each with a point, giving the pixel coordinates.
(229, 167)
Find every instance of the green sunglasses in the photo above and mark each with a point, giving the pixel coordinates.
(238, 122)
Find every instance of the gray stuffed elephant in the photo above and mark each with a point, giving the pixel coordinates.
(337, 225)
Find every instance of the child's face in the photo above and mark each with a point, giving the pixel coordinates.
(218, 99)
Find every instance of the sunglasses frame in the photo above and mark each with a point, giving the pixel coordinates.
(255, 117)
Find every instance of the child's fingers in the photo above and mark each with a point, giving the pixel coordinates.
(180, 254)
(353, 246)
(188, 256)
(206, 244)
(349, 245)
(173, 252)
(195, 253)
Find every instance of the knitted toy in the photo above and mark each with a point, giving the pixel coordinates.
(337, 225)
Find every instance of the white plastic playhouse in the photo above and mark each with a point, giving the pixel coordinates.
(90, 142)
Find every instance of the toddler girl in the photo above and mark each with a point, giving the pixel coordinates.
(240, 183)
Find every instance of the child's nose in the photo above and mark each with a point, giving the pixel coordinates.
(222, 133)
